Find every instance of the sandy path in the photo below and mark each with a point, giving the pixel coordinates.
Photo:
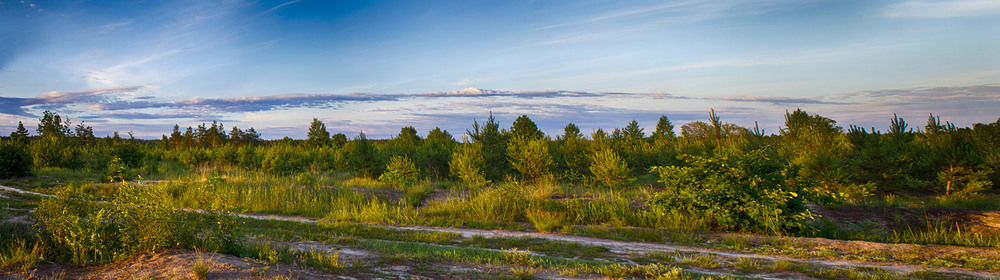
(629, 247)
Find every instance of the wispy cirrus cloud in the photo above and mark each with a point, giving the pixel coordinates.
(776, 100)
(942, 9)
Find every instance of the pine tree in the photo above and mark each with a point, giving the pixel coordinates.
(318, 136)
(664, 129)
(524, 127)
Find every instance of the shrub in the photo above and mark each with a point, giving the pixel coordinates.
(15, 161)
(82, 232)
(745, 192)
(610, 169)
(467, 163)
(284, 159)
(400, 172)
(305, 179)
(531, 157)
(117, 171)
(54, 151)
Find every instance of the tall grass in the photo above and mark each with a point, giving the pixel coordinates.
(18, 254)
(985, 202)
(934, 233)
(376, 211)
(245, 191)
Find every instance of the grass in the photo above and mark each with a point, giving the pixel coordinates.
(329, 261)
(984, 201)
(19, 255)
(201, 266)
(577, 210)
(571, 250)
(244, 191)
(934, 233)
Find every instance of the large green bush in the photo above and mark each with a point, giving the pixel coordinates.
(531, 158)
(400, 172)
(610, 169)
(740, 192)
(75, 228)
(15, 161)
(468, 164)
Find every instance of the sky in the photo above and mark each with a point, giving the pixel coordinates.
(376, 66)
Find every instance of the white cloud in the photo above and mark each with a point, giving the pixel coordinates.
(943, 9)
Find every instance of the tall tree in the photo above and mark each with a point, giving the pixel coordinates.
(176, 138)
(633, 132)
(798, 121)
(664, 129)
(494, 145)
(20, 136)
(318, 136)
(51, 124)
(571, 131)
(435, 153)
(362, 157)
(85, 133)
(524, 127)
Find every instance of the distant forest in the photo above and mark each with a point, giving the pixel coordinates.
(820, 156)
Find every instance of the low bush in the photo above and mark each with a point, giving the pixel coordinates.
(15, 161)
(740, 192)
(400, 172)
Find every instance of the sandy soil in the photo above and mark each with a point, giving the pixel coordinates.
(177, 264)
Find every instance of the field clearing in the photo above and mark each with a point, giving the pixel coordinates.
(713, 254)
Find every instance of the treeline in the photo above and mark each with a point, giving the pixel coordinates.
(936, 159)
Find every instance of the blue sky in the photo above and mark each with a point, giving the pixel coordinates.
(376, 66)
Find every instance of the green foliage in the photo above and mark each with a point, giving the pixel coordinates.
(503, 204)
(305, 179)
(400, 172)
(284, 159)
(55, 151)
(740, 192)
(82, 232)
(15, 161)
(531, 158)
(19, 255)
(963, 182)
(547, 216)
(362, 157)
(800, 122)
(20, 135)
(610, 169)
(494, 148)
(468, 163)
(570, 154)
(318, 136)
(524, 127)
(435, 153)
(664, 129)
(117, 172)
(53, 125)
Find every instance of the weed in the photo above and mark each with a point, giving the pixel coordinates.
(19, 255)
(545, 220)
(523, 273)
(749, 264)
(782, 265)
(201, 266)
